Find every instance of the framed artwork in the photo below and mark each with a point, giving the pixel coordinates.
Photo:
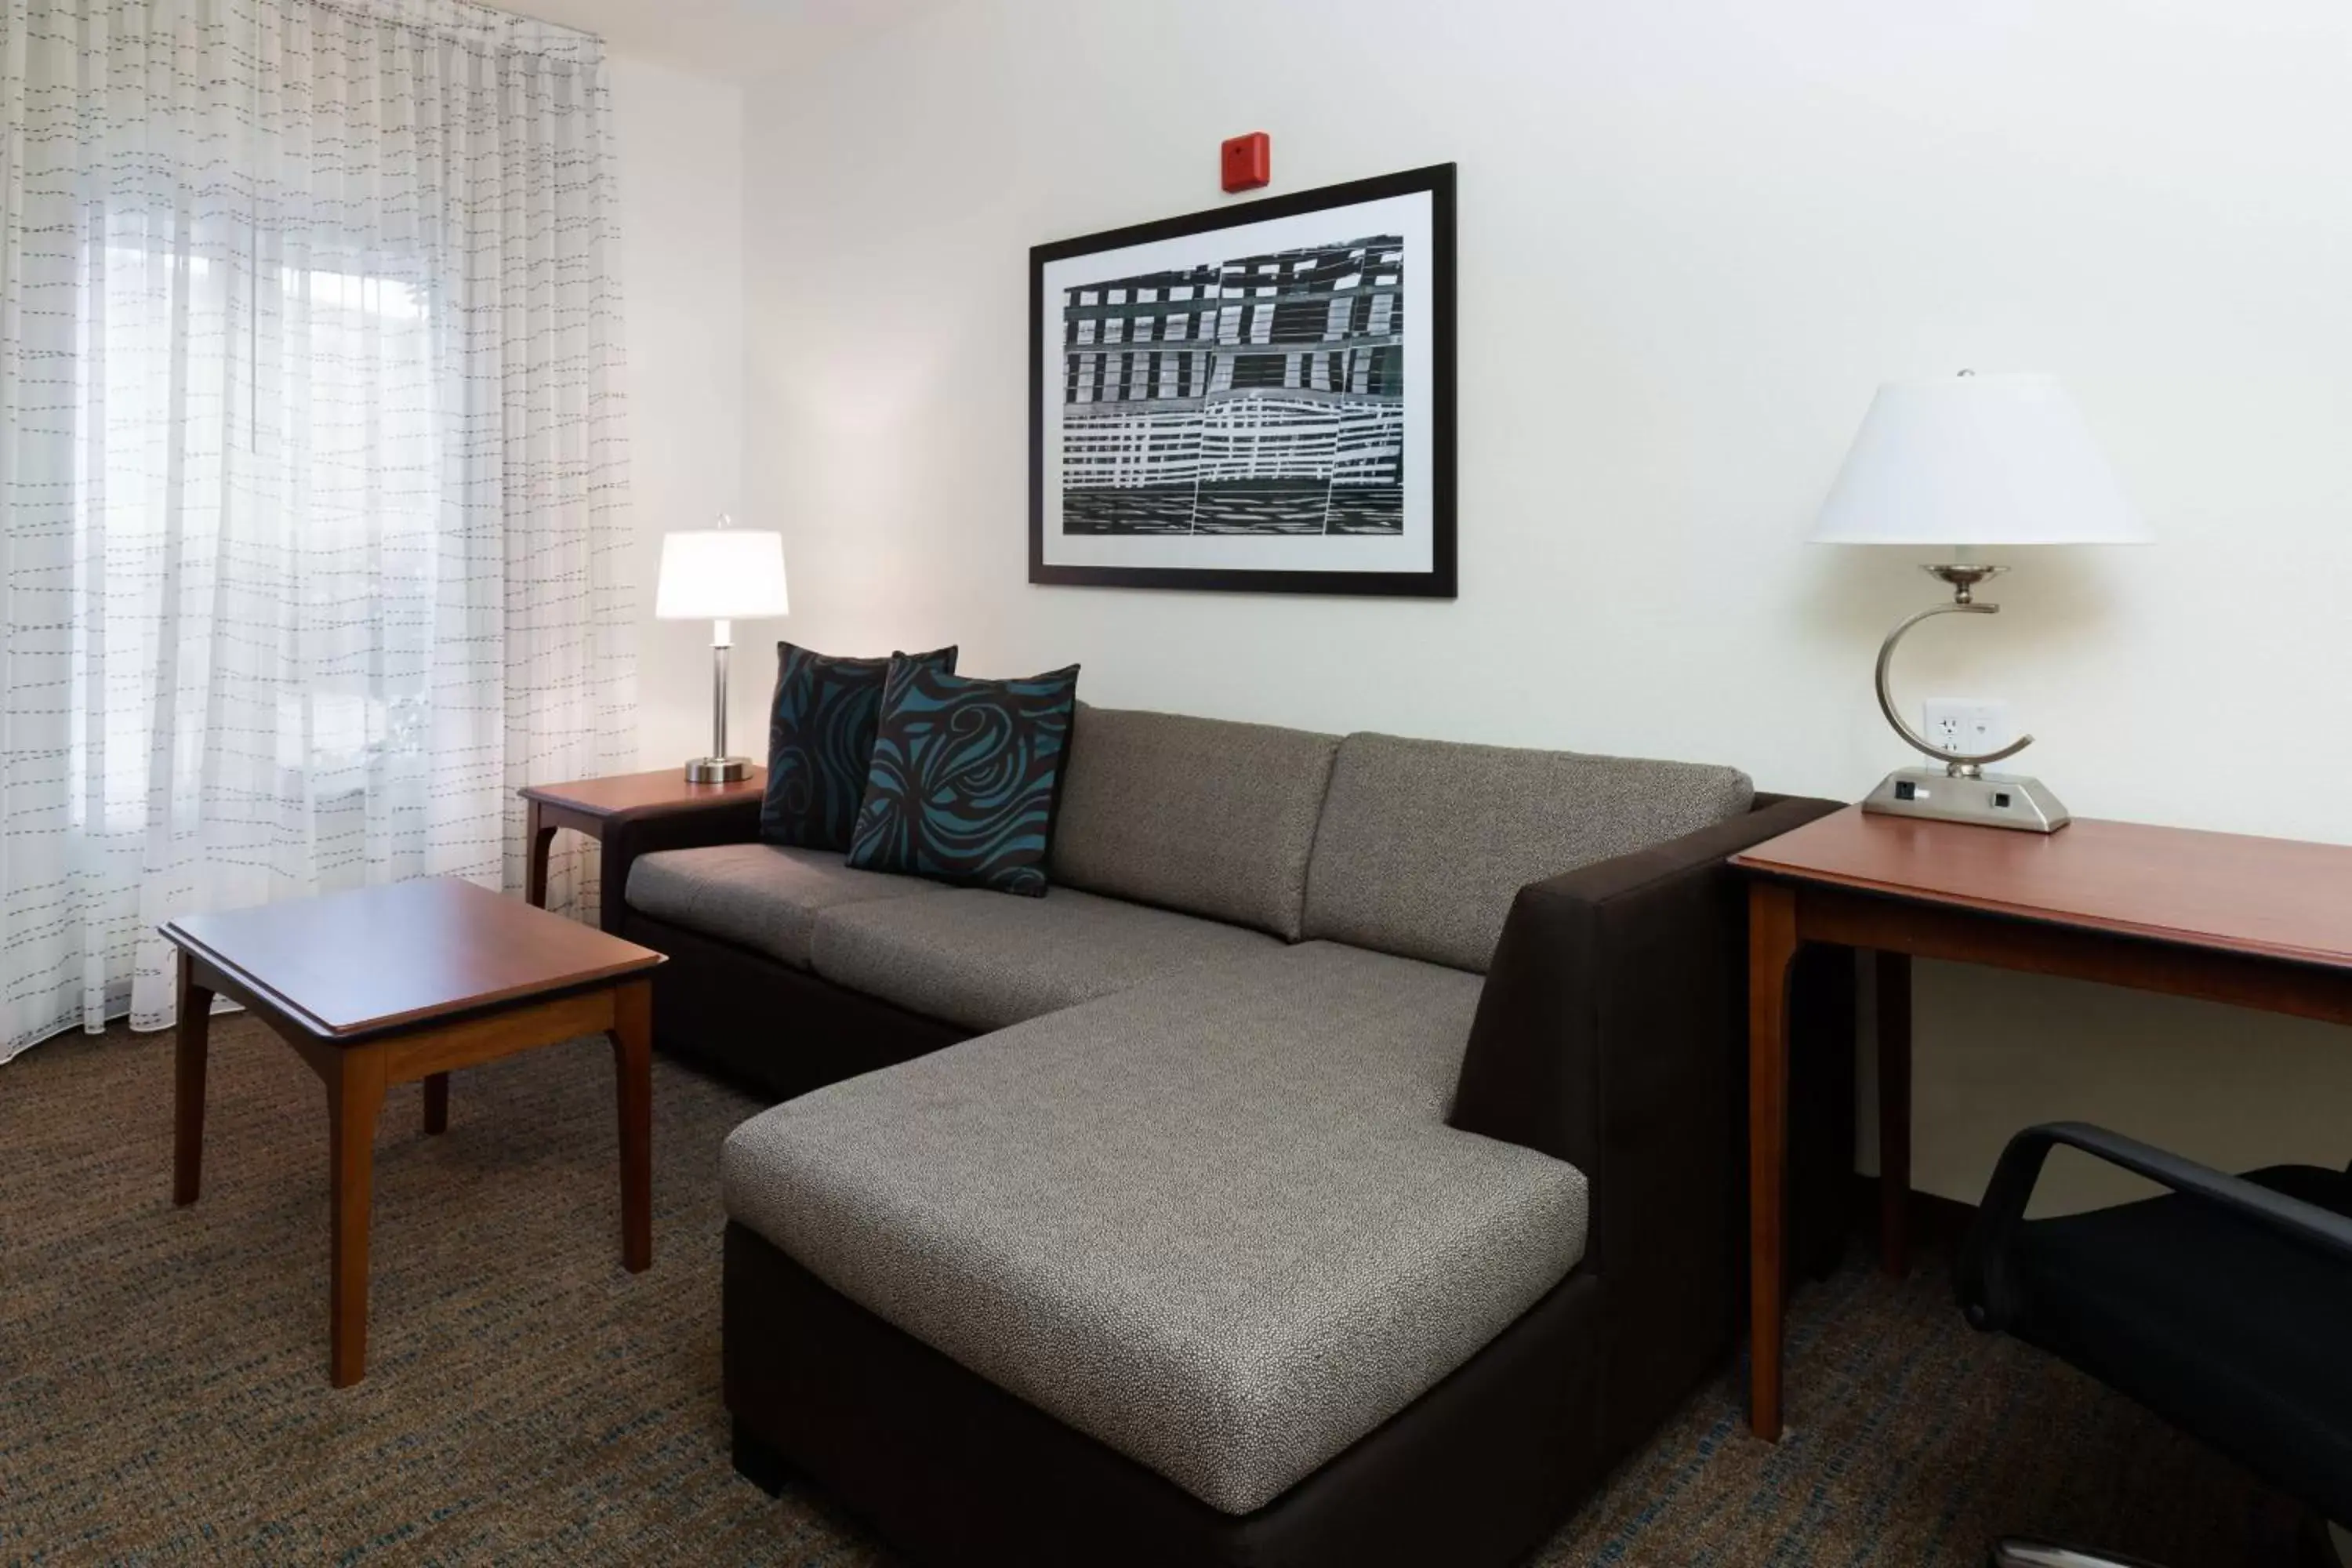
(1256, 398)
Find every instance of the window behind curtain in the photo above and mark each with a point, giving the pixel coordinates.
(313, 480)
(335, 363)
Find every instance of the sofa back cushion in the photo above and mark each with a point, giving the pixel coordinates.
(1424, 844)
(1204, 816)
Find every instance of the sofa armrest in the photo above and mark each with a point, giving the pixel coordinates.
(1611, 1034)
(643, 830)
(1616, 976)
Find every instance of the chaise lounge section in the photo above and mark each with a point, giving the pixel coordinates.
(1216, 1222)
(1345, 1171)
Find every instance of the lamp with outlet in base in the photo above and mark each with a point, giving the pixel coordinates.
(721, 575)
(1989, 460)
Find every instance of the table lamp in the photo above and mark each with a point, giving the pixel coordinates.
(1988, 460)
(721, 575)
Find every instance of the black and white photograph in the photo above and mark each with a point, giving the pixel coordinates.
(1259, 398)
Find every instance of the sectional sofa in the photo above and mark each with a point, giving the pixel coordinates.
(1339, 1164)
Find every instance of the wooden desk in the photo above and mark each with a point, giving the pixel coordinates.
(589, 804)
(402, 983)
(2261, 922)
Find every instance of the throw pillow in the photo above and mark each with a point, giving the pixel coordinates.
(821, 743)
(966, 776)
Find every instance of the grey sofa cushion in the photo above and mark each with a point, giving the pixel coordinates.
(761, 896)
(1201, 814)
(1216, 1222)
(985, 959)
(1424, 844)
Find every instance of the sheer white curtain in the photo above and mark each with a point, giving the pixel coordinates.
(313, 489)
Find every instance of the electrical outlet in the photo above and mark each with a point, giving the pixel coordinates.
(1971, 725)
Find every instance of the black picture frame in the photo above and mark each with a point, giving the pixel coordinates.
(1440, 581)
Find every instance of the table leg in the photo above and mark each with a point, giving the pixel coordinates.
(538, 836)
(436, 1103)
(1771, 949)
(191, 1036)
(1894, 1112)
(633, 1056)
(355, 1095)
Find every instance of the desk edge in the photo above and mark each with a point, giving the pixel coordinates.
(2175, 936)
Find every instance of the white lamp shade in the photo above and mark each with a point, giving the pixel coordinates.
(1974, 461)
(721, 574)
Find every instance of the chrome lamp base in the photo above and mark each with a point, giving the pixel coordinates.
(1989, 800)
(1960, 791)
(718, 767)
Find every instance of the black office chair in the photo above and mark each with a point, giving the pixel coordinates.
(2225, 1306)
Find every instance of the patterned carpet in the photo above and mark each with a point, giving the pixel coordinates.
(164, 1392)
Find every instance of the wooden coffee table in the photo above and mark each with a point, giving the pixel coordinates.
(395, 983)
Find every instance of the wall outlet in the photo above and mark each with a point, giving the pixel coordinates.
(1973, 725)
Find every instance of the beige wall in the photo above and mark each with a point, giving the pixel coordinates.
(1695, 235)
(681, 156)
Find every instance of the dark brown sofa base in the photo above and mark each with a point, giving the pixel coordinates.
(776, 1031)
(948, 1468)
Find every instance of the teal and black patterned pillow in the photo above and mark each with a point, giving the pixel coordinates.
(821, 743)
(966, 775)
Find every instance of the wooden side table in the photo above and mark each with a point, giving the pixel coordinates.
(590, 805)
(402, 983)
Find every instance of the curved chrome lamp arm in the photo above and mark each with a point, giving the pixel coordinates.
(1962, 764)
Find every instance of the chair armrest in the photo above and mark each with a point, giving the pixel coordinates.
(646, 829)
(1986, 1281)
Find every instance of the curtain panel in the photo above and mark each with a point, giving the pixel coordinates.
(313, 480)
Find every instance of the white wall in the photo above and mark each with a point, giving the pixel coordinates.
(1695, 235)
(681, 156)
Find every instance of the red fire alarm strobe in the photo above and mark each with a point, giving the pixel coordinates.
(1247, 161)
